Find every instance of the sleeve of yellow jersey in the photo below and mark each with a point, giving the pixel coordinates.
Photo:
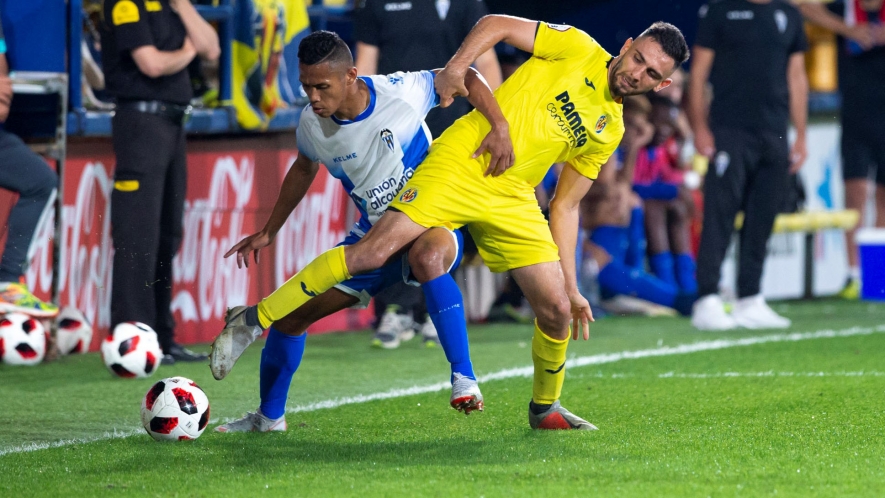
(589, 164)
(560, 41)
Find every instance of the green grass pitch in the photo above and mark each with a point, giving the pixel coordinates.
(745, 413)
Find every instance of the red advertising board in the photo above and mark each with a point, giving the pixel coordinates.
(232, 187)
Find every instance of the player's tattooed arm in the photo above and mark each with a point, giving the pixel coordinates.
(295, 186)
(488, 31)
(497, 142)
(565, 208)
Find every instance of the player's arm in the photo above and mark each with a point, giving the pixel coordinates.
(817, 13)
(488, 66)
(294, 188)
(565, 210)
(366, 59)
(696, 103)
(797, 82)
(155, 63)
(200, 32)
(497, 142)
(488, 31)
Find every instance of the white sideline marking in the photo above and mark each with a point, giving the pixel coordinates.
(509, 373)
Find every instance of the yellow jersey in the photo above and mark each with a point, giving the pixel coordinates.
(559, 108)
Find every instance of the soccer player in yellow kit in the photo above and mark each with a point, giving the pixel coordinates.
(563, 105)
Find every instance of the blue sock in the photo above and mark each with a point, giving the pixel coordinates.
(279, 360)
(662, 266)
(636, 239)
(685, 273)
(613, 239)
(618, 278)
(446, 308)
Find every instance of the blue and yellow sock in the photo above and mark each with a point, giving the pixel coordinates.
(548, 356)
(280, 359)
(445, 305)
(324, 272)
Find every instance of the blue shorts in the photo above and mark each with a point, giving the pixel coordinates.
(366, 285)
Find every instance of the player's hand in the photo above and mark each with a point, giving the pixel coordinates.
(498, 144)
(582, 315)
(189, 47)
(863, 34)
(704, 142)
(5, 97)
(449, 83)
(251, 244)
(797, 155)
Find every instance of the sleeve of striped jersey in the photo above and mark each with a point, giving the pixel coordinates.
(417, 90)
(303, 142)
(560, 41)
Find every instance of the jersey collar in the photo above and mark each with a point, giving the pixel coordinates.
(366, 113)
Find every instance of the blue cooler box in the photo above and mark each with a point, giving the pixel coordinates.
(871, 243)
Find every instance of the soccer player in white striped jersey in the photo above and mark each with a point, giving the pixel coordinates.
(370, 134)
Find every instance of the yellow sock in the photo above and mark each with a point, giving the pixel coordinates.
(548, 355)
(324, 272)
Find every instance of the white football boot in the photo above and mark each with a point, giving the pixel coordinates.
(393, 329)
(254, 422)
(709, 313)
(753, 313)
(466, 396)
(429, 334)
(231, 342)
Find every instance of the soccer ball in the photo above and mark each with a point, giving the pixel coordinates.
(22, 339)
(131, 350)
(175, 409)
(74, 332)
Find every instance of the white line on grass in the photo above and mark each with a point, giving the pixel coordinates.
(510, 373)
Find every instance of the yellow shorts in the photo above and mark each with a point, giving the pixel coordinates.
(502, 215)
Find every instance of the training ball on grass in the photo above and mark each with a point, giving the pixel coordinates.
(175, 409)
(74, 332)
(22, 339)
(131, 350)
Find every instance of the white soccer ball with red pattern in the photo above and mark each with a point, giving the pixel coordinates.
(22, 339)
(175, 409)
(131, 350)
(74, 332)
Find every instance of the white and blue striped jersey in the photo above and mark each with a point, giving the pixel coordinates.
(375, 154)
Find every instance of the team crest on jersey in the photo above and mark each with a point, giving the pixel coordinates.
(387, 138)
(601, 122)
(409, 195)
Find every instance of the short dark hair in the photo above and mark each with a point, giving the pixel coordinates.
(670, 39)
(324, 46)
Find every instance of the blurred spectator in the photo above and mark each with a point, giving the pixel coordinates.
(145, 54)
(413, 36)
(752, 52)
(25, 173)
(613, 217)
(861, 27)
(658, 179)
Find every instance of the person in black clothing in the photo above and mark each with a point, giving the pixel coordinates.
(860, 25)
(752, 52)
(413, 36)
(146, 48)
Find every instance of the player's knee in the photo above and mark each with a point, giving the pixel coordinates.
(428, 260)
(365, 256)
(555, 316)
